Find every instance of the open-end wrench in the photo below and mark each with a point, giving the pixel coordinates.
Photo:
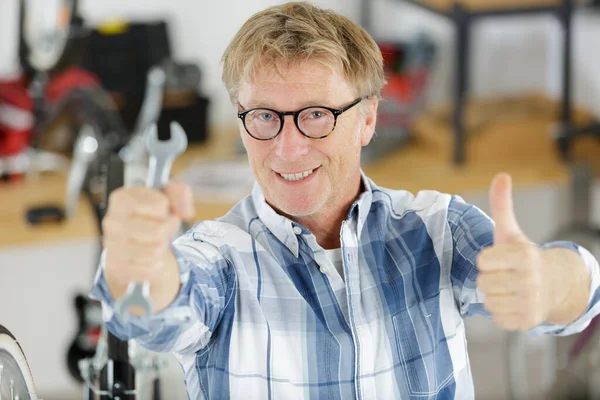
(162, 154)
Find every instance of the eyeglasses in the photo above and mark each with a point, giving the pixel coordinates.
(313, 122)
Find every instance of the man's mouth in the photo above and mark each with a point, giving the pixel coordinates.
(297, 176)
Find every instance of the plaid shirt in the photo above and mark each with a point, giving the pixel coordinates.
(263, 314)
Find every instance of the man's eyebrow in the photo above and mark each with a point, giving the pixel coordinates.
(267, 104)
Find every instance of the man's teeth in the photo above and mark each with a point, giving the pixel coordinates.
(296, 177)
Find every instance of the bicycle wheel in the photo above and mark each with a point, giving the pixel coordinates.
(16, 381)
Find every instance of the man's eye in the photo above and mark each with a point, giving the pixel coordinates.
(266, 116)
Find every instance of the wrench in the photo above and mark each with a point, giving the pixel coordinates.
(162, 154)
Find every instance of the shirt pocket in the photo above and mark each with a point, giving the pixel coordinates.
(422, 341)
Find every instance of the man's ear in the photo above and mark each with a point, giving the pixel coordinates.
(368, 129)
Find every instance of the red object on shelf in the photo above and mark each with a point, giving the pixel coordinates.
(72, 78)
(16, 106)
(408, 66)
(16, 116)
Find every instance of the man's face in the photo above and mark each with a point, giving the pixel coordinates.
(329, 167)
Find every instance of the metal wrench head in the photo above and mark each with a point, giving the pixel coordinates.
(137, 295)
(173, 146)
(162, 153)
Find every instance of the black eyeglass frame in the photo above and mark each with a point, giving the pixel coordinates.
(281, 114)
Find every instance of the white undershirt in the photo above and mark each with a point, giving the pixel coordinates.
(335, 256)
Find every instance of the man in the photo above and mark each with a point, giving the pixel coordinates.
(322, 285)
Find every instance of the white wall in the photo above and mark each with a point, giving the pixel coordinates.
(509, 55)
(8, 38)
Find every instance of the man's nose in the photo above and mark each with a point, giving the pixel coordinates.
(291, 144)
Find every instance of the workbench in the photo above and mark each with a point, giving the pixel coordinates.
(50, 189)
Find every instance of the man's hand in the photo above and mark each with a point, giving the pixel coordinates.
(512, 274)
(139, 227)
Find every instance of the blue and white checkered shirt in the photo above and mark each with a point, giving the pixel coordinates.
(263, 314)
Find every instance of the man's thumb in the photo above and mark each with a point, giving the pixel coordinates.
(502, 210)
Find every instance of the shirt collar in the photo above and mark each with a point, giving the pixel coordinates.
(280, 226)
(363, 201)
(287, 231)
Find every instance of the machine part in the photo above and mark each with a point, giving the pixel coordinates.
(41, 161)
(16, 381)
(16, 165)
(84, 152)
(180, 77)
(152, 104)
(44, 215)
(162, 155)
(134, 153)
(46, 28)
(146, 364)
(135, 150)
(517, 361)
(84, 344)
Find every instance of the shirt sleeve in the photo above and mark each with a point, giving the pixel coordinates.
(187, 324)
(472, 231)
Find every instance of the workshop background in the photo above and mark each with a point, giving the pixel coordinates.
(513, 121)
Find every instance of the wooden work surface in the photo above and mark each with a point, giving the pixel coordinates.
(510, 136)
(487, 5)
(49, 189)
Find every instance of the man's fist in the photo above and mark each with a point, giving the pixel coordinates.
(139, 226)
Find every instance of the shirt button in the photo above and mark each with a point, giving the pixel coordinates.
(297, 230)
(324, 269)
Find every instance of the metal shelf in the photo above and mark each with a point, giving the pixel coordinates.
(463, 14)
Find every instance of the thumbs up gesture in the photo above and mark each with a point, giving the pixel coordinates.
(511, 271)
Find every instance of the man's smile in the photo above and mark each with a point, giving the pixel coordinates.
(303, 175)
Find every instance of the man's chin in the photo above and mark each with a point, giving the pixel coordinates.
(294, 210)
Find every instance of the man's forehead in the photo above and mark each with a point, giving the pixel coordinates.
(283, 69)
(310, 74)
(303, 84)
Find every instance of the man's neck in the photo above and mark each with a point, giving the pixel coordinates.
(328, 233)
(326, 225)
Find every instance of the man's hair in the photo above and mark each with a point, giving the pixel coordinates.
(288, 34)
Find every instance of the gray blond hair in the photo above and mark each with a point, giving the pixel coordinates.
(288, 34)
